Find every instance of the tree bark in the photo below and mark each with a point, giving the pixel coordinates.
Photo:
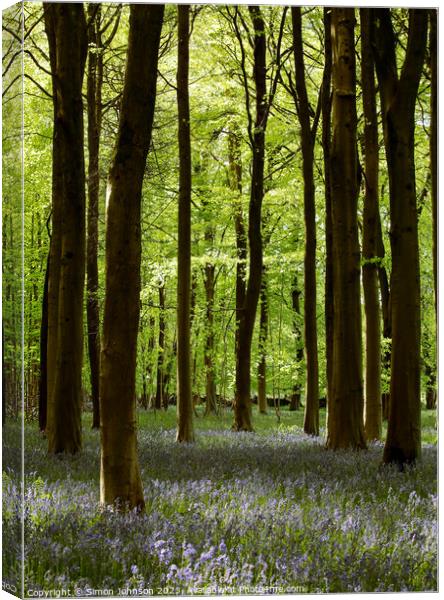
(158, 401)
(398, 99)
(43, 380)
(373, 403)
(210, 386)
(263, 330)
(326, 149)
(242, 399)
(185, 431)
(433, 43)
(345, 427)
(120, 482)
(66, 30)
(295, 293)
(94, 97)
(311, 416)
(235, 181)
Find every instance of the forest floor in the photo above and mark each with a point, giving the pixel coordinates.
(264, 512)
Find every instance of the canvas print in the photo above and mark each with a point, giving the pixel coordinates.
(219, 233)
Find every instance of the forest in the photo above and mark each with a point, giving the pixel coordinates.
(219, 279)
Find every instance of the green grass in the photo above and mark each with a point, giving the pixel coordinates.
(263, 424)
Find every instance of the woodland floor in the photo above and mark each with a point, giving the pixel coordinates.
(267, 512)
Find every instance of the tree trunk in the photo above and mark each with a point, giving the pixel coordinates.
(311, 416)
(398, 99)
(185, 431)
(326, 148)
(373, 402)
(158, 401)
(263, 330)
(66, 28)
(242, 400)
(235, 180)
(43, 381)
(210, 388)
(94, 96)
(433, 42)
(295, 293)
(345, 427)
(120, 481)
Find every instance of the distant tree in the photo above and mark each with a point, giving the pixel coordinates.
(345, 427)
(373, 406)
(398, 99)
(120, 481)
(185, 431)
(160, 379)
(65, 26)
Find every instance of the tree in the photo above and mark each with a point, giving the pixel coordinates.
(398, 99)
(184, 399)
(345, 428)
(263, 329)
(326, 149)
(67, 37)
(373, 407)
(120, 481)
(433, 44)
(94, 97)
(160, 379)
(242, 400)
(308, 134)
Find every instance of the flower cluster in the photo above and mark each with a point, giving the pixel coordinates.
(230, 511)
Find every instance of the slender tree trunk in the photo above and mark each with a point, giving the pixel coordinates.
(94, 96)
(326, 147)
(242, 404)
(185, 431)
(345, 410)
(433, 42)
(235, 180)
(263, 329)
(210, 387)
(373, 406)
(297, 317)
(66, 25)
(398, 99)
(158, 402)
(311, 417)
(43, 382)
(120, 481)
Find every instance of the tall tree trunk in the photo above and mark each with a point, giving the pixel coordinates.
(210, 387)
(398, 99)
(158, 401)
(373, 406)
(120, 481)
(235, 181)
(326, 148)
(311, 417)
(66, 27)
(242, 400)
(43, 381)
(433, 43)
(345, 427)
(94, 96)
(297, 329)
(263, 329)
(185, 431)
(56, 216)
